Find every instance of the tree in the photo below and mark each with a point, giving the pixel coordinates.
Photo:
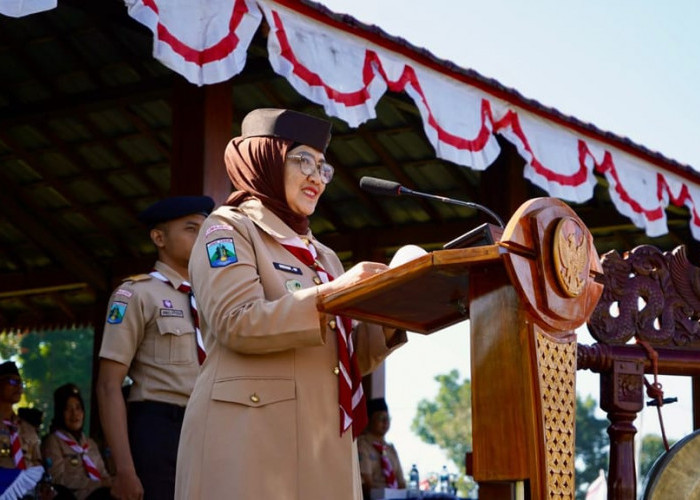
(447, 421)
(592, 444)
(48, 359)
(652, 449)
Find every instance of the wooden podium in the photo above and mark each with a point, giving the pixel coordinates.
(525, 294)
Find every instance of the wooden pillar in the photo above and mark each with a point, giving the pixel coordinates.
(622, 397)
(503, 187)
(202, 124)
(99, 312)
(696, 402)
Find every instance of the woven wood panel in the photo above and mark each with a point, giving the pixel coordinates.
(557, 381)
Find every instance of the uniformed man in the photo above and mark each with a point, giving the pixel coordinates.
(151, 335)
(19, 441)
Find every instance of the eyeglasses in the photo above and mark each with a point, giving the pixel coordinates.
(15, 382)
(309, 167)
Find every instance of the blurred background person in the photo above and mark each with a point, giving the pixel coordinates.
(73, 459)
(379, 462)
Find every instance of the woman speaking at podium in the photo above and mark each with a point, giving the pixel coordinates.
(278, 402)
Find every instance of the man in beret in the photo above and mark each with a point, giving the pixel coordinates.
(151, 335)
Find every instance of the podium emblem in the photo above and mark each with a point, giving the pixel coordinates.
(571, 260)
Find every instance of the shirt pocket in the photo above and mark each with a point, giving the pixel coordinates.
(254, 392)
(175, 344)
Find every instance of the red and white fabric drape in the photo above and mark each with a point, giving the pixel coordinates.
(347, 70)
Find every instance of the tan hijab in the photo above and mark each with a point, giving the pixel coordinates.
(255, 166)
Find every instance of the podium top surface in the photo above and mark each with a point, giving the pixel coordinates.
(423, 295)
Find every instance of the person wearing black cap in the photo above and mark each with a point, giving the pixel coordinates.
(76, 465)
(276, 408)
(12, 428)
(379, 462)
(151, 335)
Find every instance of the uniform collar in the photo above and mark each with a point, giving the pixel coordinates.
(169, 273)
(267, 221)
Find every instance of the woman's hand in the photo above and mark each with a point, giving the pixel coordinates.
(358, 272)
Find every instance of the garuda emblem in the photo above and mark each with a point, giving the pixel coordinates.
(571, 256)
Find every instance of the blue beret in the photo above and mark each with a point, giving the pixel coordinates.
(287, 124)
(176, 207)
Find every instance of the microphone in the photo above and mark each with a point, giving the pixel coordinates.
(391, 188)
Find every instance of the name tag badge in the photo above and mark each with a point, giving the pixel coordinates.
(287, 268)
(172, 313)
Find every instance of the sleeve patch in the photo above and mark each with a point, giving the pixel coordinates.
(218, 227)
(116, 313)
(221, 252)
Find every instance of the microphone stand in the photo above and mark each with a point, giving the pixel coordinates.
(404, 190)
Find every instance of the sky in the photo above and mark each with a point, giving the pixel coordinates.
(628, 67)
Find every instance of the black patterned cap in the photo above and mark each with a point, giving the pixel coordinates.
(8, 368)
(287, 124)
(176, 207)
(376, 404)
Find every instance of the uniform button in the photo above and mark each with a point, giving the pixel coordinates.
(317, 280)
(336, 370)
(254, 398)
(332, 324)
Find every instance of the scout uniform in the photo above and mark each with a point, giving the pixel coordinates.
(263, 419)
(30, 443)
(67, 467)
(75, 460)
(150, 327)
(16, 428)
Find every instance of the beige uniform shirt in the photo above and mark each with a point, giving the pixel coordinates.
(31, 445)
(263, 421)
(371, 461)
(149, 328)
(67, 466)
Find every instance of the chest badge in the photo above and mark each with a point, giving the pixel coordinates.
(293, 285)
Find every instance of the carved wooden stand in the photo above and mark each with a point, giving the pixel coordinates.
(668, 286)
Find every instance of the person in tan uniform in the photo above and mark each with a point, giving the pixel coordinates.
(150, 334)
(379, 462)
(74, 460)
(279, 403)
(12, 427)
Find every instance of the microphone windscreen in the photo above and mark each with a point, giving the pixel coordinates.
(380, 186)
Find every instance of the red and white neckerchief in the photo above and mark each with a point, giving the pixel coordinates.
(15, 445)
(387, 469)
(186, 288)
(351, 398)
(90, 467)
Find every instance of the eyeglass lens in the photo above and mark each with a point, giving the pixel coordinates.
(308, 167)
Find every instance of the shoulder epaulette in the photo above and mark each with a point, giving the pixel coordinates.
(138, 277)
